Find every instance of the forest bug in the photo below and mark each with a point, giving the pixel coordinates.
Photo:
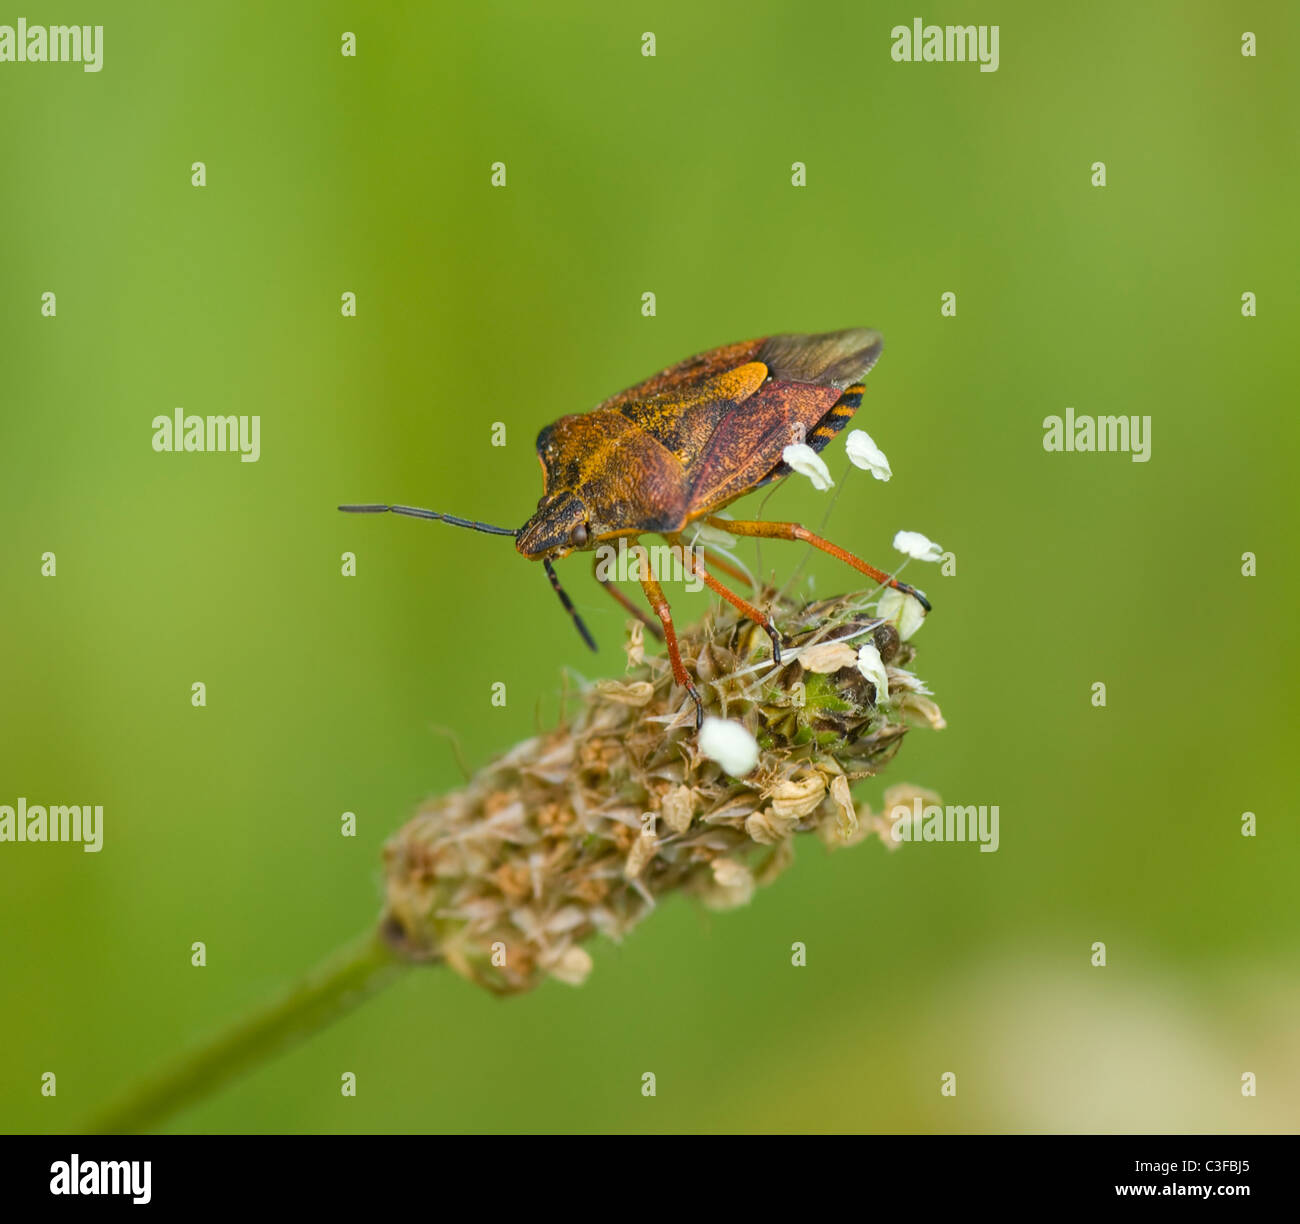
(679, 447)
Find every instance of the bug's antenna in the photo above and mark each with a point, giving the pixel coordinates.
(413, 512)
(568, 603)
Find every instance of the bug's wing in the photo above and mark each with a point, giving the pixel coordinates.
(692, 371)
(683, 418)
(808, 377)
(630, 464)
(679, 420)
(833, 359)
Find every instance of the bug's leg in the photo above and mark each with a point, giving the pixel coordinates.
(719, 562)
(795, 531)
(654, 593)
(640, 613)
(763, 620)
(567, 604)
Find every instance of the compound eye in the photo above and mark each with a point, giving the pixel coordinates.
(579, 537)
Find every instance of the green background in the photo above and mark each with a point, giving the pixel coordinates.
(670, 174)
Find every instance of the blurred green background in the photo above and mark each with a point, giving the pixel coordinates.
(670, 174)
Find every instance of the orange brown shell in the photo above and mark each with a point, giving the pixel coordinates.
(694, 437)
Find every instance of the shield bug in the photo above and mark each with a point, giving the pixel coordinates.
(678, 447)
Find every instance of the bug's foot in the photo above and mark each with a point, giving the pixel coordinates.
(699, 705)
(775, 634)
(919, 596)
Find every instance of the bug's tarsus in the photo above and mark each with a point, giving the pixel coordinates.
(568, 603)
(775, 634)
(416, 512)
(919, 596)
(699, 705)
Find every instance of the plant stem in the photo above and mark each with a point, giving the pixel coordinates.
(352, 975)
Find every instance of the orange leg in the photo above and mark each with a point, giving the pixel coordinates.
(640, 613)
(760, 618)
(795, 531)
(724, 565)
(655, 595)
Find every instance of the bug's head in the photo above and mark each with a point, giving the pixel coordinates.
(560, 526)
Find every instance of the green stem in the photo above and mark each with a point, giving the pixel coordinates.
(347, 979)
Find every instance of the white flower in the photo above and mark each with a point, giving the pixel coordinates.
(864, 453)
(871, 665)
(730, 744)
(904, 610)
(914, 544)
(807, 462)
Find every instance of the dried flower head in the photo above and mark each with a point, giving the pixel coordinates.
(581, 830)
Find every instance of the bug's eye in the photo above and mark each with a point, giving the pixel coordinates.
(579, 536)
